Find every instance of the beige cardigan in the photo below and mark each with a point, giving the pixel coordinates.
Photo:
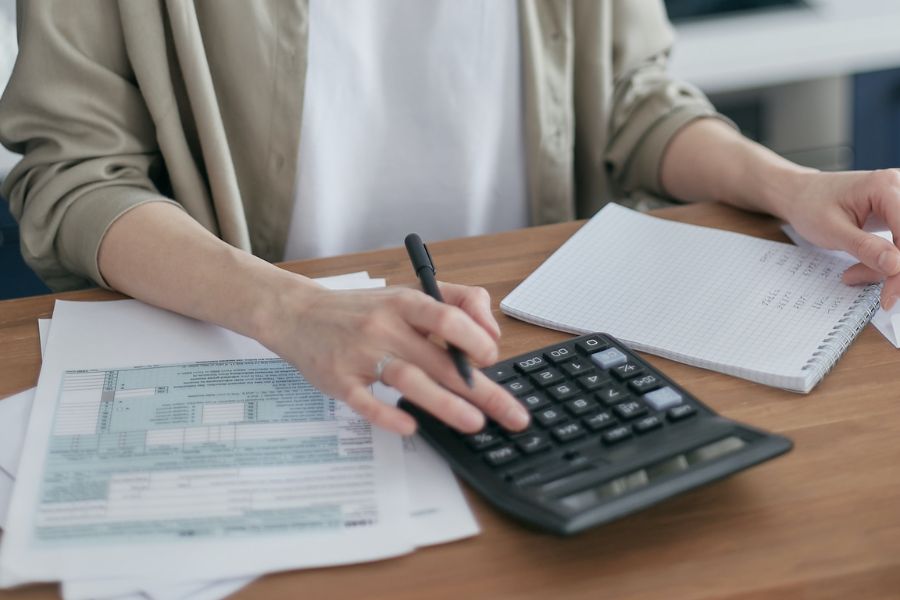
(114, 104)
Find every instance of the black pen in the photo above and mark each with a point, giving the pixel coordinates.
(424, 268)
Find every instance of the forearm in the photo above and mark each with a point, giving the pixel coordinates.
(709, 161)
(160, 255)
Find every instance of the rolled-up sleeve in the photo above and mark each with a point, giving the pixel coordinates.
(73, 109)
(649, 106)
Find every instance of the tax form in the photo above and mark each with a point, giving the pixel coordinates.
(199, 456)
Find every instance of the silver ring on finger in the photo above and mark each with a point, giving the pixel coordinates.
(381, 366)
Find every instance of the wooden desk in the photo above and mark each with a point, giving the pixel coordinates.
(820, 522)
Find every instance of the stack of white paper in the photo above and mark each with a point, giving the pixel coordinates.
(168, 458)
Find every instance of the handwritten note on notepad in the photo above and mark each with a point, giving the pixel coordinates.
(757, 309)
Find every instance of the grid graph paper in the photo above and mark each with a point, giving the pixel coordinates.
(748, 307)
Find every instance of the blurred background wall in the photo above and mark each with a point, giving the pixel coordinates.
(816, 80)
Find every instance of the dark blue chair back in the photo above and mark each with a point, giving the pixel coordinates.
(16, 279)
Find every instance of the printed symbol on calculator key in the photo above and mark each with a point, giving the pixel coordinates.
(483, 439)
(630, 409)
(568, 432)
(533, 442)
(562, 391)
(560, 354)
(546, 377)
(501, 455)
(681, 412)
(599, 421)
(611, 394)
(647, 424)
(577, 367)
(591, 344)
(644, 383)
(499, 374)
(616, 435)
(549, 416)
(593, 381)
(532, 363)
(580, 406)
(627, 370)
(517, 387)
(534, 401)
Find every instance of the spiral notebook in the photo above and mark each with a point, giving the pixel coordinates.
(761, 310)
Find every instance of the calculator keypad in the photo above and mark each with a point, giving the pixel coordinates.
(607, 431)
(587, 392)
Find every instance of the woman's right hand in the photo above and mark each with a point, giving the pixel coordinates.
(337, 339)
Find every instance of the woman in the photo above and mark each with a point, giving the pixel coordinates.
(163, 145)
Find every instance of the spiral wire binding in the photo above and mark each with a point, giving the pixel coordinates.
(848, 327)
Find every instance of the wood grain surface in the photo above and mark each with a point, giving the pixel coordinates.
(820, 522)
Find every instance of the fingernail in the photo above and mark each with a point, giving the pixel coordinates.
(889, 262)
(472, 420)
(889, 303)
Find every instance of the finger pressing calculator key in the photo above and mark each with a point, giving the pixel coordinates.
(610, 435)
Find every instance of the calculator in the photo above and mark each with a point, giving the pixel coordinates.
(610, 435)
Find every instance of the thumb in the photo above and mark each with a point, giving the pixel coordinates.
(875, 252)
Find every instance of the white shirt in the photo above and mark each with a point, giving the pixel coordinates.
(412, 122)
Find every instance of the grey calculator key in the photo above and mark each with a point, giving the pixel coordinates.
(663, 398)
(609, 358)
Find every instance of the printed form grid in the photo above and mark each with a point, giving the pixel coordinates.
(691, 293)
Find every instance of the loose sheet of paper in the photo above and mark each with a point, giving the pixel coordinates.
(227, 481)
(214, 425)
(887, 322)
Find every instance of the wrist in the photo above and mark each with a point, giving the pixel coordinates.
(782, 185)
(279, 296)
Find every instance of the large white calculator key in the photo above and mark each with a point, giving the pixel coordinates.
(607, 359)
(663, 398)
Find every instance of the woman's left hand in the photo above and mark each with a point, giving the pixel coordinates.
(830, 209)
